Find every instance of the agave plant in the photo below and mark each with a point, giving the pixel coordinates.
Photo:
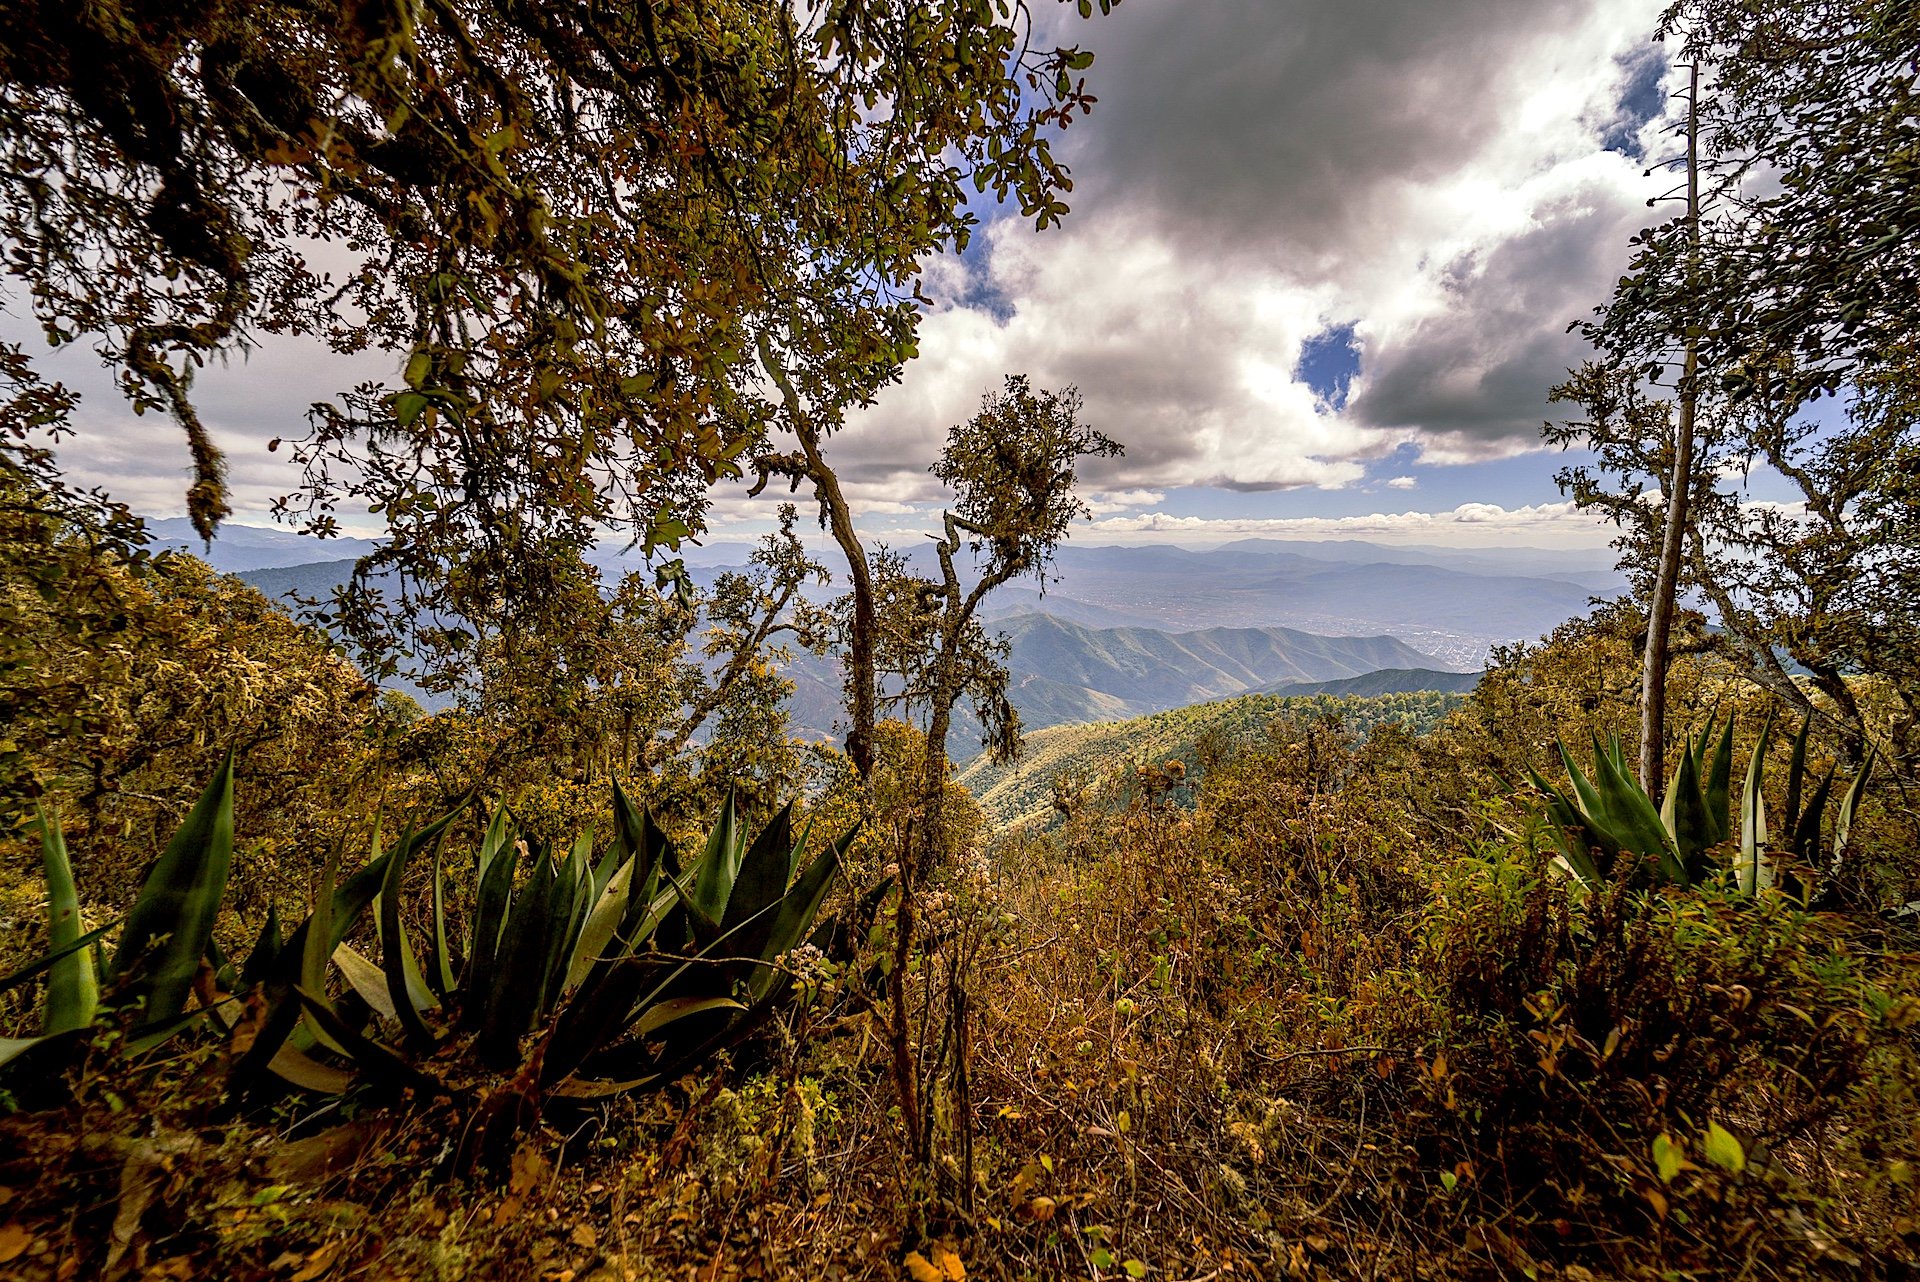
(1609, 829)
(628, 969)
(169, 931)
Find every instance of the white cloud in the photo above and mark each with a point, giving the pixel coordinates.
(1432, 173)
(1469, 525)
(1403, 483)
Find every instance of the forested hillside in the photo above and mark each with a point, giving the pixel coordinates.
(1066, 767)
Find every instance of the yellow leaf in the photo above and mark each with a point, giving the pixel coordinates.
(950, 1265)
(13, 1241)
(318, 1263)
(920, 1269)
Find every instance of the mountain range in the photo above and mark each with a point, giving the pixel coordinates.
(1064, 672)
(1119, 632)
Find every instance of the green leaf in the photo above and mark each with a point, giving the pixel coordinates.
(259, 967)
(719, 865)
(493, 903)
(1723, 1150)
(33, 969)
(1796, 777)
(1752, 873)
(1667, 1157)
(73, 991)
(1630, 814)
(1685, 817)
(1849, 806)
(764, 870)
(404, 984)
(660, 1014)
(408, 407)
(1135, 1269)
(172, 919)
(1718, 790)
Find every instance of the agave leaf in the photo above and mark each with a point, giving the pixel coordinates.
(12, 1048)
(604, 870)
(173, 915)
(73, 991)
(1629, 812)
(1849, 807)
(1806, 833)
(719, 865)
(492, 909)
(517, 979)
(597, 932)
(590, 1088)
(1586, 797)
(598, 1012)
(370, 1056)
(1752, 874)
(366, 979)
(648, 851)
(265, 953)
(1796, 777)
(496, 841)
(764, 870)
(440, 974)
(317, 945)
(302, 1070)
(566, 913)
(792, 918)
(660, 1014)
(799, 851)
(406, 988)
(34, 969)
(1718, 791)
(1575, 853)
(303, 960)
(1687, 821)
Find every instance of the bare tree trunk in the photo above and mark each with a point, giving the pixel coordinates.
(860, 686)
(1653, 668)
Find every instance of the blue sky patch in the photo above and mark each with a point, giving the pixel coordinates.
(1329, 361)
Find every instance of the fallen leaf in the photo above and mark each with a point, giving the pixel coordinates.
(319, 1262)
(583, 1236)
(13, 1241)
(950, 1266)
(1040, 1209)
(920, 1269)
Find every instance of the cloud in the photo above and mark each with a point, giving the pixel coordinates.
(1447, 182)
(1403, 483)
(1433, 178)
(1469, 525)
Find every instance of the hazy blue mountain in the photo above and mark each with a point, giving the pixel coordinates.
(313, 581)
(1066, 673)
(1384, 681)
(238, 549)
(1453, 613)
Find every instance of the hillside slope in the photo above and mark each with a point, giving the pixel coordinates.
(1087, 755)
(1385, 681)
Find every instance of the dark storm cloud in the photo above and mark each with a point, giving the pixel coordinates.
(1300, 129)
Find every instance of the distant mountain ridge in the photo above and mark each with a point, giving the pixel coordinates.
(1384, 681)
(1066, 673)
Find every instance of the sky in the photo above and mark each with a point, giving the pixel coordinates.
(1317, 280)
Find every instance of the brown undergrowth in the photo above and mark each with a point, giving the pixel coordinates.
(1259, 1024)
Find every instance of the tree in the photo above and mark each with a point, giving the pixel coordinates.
(1012, 468)
(572, 224)
(1793, 281)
